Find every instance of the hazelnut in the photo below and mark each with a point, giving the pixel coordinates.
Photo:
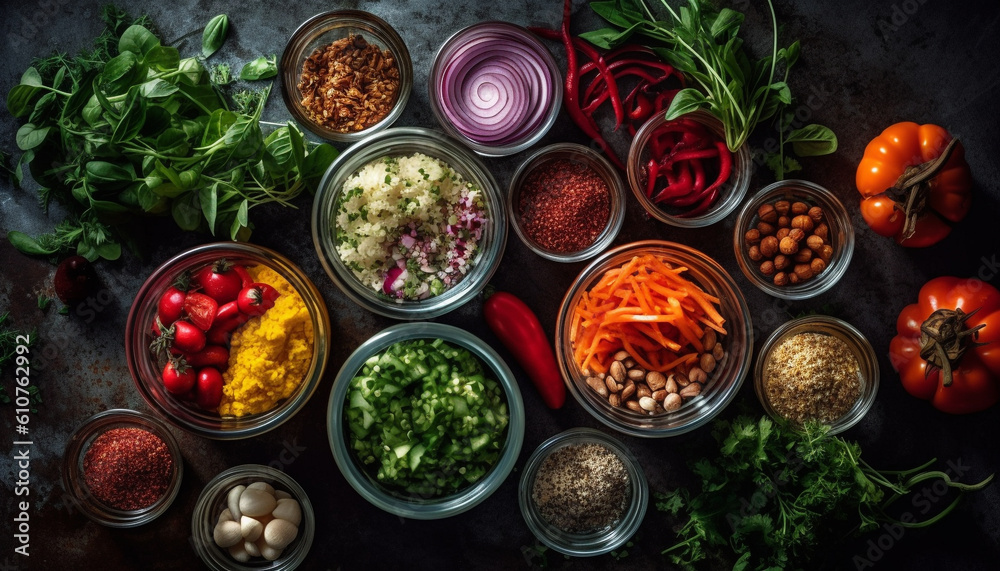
(803, 222)
(788, 245)
(816, 213)
(826, 252)
(752, 236)
(803, 271)
(782, 206)
(767, 268)
(769, 246)
(793, 279)
(799, 208)
(782, 262)
(814, 243)
(767, 213)
(780, 279)
(803, 255)
(797, 234)
(784, 222)
(782, 232)
(766, 229)
(822, 230)
(754, 253)
(817, 265)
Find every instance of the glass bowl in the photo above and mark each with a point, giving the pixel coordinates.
(323, 29)
(396, 142)
(587, 157)
(840, 238)
(722, 384)
(731, 192)
(146, 370)
(859, 346)
(212, 501)
(75, 483)
(594, 542)
(412, 506)
(538, 74)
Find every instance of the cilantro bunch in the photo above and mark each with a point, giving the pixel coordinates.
(773, 495)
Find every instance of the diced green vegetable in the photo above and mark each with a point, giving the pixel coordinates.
(424, 418)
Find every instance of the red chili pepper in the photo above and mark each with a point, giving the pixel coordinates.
(520, 331)
(652, 172)
(699, 176)
(683, 186)
(691, 155)
(605, 74)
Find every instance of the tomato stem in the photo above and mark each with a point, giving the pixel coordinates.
(913, 187)
(944, 338)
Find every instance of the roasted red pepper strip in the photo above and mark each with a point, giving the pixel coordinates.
(652, 172)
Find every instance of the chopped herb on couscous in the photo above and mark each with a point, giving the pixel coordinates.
(409, 227)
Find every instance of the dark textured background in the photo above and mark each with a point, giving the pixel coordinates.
(870, 63)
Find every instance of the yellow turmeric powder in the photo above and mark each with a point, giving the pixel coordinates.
(269, 355)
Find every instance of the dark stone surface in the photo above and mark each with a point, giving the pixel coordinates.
(868, 63)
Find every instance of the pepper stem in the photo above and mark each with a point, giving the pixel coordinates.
(944, 338)
(913, 187)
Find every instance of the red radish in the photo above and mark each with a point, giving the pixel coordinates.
(208, 393)
(220, 281)
(178, 377)
(171, 305)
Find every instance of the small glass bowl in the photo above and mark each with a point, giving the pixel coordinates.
(859, 345)
(416, 507)
(841, 237)
(724, 382)
(502, 36)
(75, 483)
(146, 372)
(596, 542)
(212, 501)
(403, 141)
(730, 194)
(320, 31)
(577, 154)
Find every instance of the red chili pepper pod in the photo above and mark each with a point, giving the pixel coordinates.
(652, 172)
(521, 333)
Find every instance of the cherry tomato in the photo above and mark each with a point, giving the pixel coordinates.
(178, 377)
(171, 305)
(200, 309)
(211, 356)
(257, 299)
(208, 393)
(187, 337)
(245, 277)
(220, 281)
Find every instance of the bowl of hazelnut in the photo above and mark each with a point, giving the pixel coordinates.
(793, 239)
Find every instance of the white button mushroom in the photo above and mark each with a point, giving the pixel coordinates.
(288, 510)
(227, 534)
(255, 502)
(251, 528)
(279, 533)
(233, 501)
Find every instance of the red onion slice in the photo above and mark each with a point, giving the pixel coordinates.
(496, 83)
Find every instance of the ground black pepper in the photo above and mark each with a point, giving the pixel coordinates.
(128, 468)
(581, 488)
(564, 205)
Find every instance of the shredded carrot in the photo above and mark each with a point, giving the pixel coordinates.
(649, 309)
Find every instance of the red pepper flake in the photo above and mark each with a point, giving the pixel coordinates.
(128, 468)
(564, 205)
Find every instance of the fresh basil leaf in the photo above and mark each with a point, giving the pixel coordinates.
(278, 152)
(19, 99)
(186, 211)
(218, 124)
(686, 101)
(157, 88)
(92, 111)
(112, 111)
(40, 113)
(163, 58)
(783, 91)
(108, 207)
(59, 77)
(172, 142)
(190, 71)
(260, 68)
(208, 196)
(200, 98)
(243, 213)
(138, 40)
(316, 164)
(99, 172)
(298, 145)
(121, 72)
(608, 38)
(158, 119)
(614, 13)
(133, 117)
(190, 178)
(28, 245)
(812, 140)
(31, 78)
(149, 201)
(214, 35)
(30, 136)
(727, 22)
(109, 250)
(791, 53)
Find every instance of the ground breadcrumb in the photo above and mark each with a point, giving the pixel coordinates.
(812, 376)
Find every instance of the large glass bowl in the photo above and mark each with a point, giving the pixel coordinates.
(146, 371)
(324, 29)
(723, 383)
(396, 142)
(424, 507)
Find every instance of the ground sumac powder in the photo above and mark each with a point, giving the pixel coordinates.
(564, 205)
(582, 488)
(128, 468)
